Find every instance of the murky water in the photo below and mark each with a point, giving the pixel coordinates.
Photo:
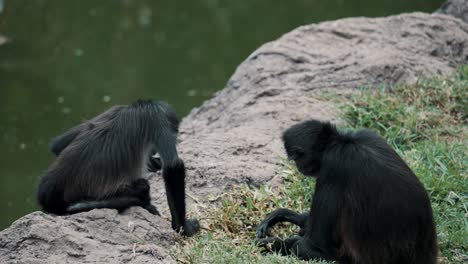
(65, 61)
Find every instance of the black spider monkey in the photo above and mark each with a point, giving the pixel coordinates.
(368, 206)
(100, 162)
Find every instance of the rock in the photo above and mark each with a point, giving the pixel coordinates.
(456, 8)
(101, 236)
(234, 138)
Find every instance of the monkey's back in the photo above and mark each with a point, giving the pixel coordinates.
(98, 163)
(386, 213)
(102, 156)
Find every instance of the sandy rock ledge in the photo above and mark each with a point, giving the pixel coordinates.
(234, 138)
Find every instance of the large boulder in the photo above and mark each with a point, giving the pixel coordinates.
(456, 8)
(234, 138)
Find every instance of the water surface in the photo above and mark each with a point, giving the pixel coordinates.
(69, 60)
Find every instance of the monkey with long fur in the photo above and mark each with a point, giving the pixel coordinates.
(100, 162)
(368, 207)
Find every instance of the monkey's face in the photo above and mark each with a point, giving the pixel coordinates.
(300, 144)
(306, 161)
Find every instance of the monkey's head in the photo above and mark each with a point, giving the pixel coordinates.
(305, 143)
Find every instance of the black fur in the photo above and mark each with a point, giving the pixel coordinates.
(100, 163)
(137, 194)
(368, 206)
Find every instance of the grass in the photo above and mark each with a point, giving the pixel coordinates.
(432, 109)
(425, 122)
(230, 222)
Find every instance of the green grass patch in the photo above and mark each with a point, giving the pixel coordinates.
(425, 122)
(431, 109)
(228, 226)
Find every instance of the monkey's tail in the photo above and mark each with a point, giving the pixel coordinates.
(119, 203)
(85, 206)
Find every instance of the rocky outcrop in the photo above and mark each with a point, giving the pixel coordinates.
(234, 138)
(99, 236)
(456, 8)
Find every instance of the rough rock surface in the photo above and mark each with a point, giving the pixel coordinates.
(101, 236)
(234, 138)
(456, 8)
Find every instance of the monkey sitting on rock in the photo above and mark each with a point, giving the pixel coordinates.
(100, 164)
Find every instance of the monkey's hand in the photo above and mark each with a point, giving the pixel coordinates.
(271, 219)
(277, 245)
(272, 245)
(191, 227)
(278, 216)
(154, 164)
(302, 232)
(151, 208)
(262, 229)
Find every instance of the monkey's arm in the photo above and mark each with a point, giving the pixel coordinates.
(174, 179)
(317, 241)
(278, 216)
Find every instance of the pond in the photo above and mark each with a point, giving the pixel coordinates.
(65, 61)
